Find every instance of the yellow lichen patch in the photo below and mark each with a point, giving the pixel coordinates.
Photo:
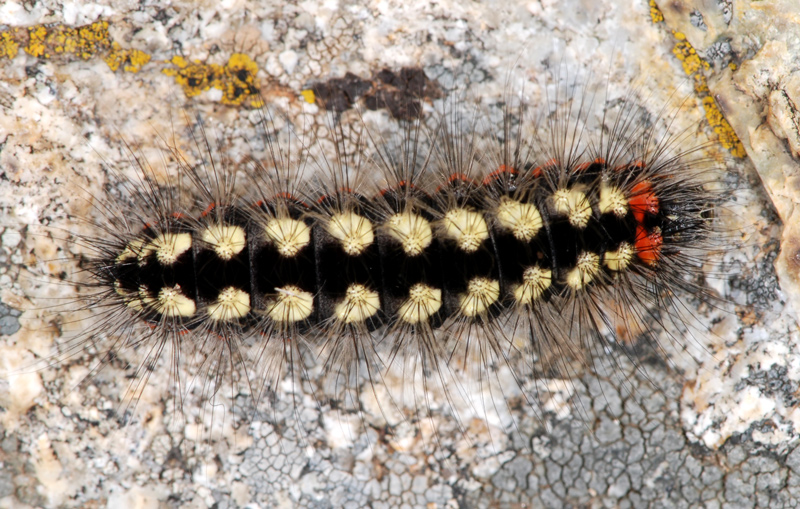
(727, 137)
(9, 46)
(241, 84)
(193, 77)
(84, 42)
(694, 66)
(131, 60)
(655, 13)
(36, 36)
(236, 79)
(692, 63)
(309, 96)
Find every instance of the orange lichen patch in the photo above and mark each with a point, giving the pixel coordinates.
(236, 79)
(131, 60)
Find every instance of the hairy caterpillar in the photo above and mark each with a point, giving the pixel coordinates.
(99, 456)
(435, 252)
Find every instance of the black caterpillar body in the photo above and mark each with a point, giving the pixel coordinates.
(456, 251)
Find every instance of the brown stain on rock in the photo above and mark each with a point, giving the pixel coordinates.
(401, 92)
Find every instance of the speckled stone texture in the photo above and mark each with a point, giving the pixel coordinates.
(709, 419)
(754, 49)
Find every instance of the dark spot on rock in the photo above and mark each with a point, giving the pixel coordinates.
(400, 92)
(339, 94)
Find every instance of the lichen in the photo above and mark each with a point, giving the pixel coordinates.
(131, 60)
(694, 67)
(237, 79)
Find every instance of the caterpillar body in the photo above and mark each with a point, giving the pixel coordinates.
(522, 328)
(527, 251)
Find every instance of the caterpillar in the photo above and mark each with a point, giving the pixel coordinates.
(99, 460)
(385, 381)
(434, 252)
